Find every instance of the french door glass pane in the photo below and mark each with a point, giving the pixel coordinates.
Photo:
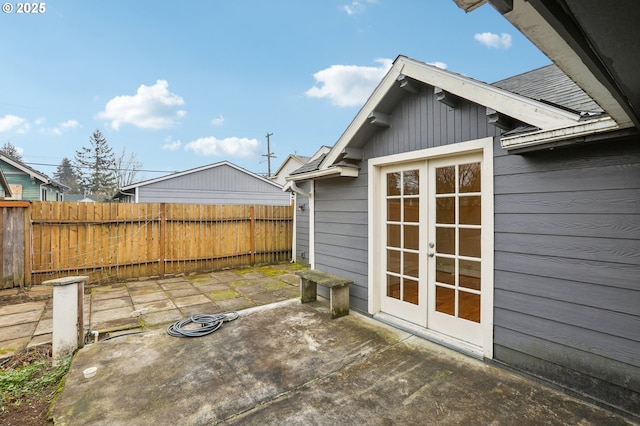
(469, 177)
(446, 240)
(411, 182)
(393, 235)
(446, 210)
(411, 291)
(411, 266)
(393, 210)
(446, 180)
(411, 209)
(470, 274)
(393, 261)
(469, 243)
(393, 286)
(445, 300)
(393, 183)
(469, 306)
(411, 237)
(470, 210)
(445, 270)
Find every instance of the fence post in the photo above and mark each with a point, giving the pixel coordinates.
(27, 246)
(252, 234)
(163, 230)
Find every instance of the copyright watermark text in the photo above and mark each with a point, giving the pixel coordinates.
(24, 8)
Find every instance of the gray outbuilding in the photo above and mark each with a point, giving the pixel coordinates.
(218, 183)
(501, 219)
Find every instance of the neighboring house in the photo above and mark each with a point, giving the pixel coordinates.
(219, 183)
(27, 183)
(501, 220)
(291, 163)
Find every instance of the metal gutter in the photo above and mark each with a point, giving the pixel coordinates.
(325, 173)
(543, 137)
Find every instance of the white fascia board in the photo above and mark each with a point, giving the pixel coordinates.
(527, 110)
(324, 173)
(530, 23)
(584, 128)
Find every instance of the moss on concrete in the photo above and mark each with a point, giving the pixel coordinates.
(224, 294)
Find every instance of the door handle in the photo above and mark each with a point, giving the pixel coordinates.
(431, 253)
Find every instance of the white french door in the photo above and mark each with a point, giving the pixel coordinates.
(430, 259)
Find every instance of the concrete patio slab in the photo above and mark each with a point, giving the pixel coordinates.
(197, 299)
(289, 363)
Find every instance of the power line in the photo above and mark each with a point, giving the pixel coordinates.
(87, 167)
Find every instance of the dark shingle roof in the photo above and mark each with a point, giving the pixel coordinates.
(310, 166)
(550, 84)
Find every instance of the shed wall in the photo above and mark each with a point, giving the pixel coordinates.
(217, 185)
(567, 248)
(567, 257)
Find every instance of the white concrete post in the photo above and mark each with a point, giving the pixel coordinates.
(68, 316)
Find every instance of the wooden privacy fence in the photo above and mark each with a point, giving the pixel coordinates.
(114, 241)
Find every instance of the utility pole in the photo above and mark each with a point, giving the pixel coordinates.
(269, 154)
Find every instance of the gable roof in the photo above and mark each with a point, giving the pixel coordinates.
(33, 173)
(527, 107)
(550, 84)
(196, 170)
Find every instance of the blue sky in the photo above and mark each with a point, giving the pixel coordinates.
(182, 84)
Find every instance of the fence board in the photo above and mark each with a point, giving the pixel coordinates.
(120, 241)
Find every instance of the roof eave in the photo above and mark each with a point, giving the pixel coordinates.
(336, 171)
(571, 56)
(538, 114)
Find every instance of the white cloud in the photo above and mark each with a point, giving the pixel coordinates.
(348, 85)
(171, 145)
(232, 147)
(491, 40)
(218, 121)
(152, 107)
(11, 122)
(356, 7)
(60, 128)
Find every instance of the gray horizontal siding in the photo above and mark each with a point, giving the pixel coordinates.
(212, 196)
(341, 232)
(567, 264)
(217, 185)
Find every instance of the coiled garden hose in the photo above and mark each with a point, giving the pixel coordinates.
(208, 324)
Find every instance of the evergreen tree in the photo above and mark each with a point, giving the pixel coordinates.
(95, 167)
(11, 150)
(66, 175)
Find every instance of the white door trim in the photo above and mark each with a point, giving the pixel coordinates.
(484, 145)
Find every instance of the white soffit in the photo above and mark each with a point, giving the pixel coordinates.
(530, 23)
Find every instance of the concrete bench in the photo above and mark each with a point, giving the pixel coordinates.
(338, 290)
